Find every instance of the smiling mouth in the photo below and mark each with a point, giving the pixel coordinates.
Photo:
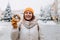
(28, 16)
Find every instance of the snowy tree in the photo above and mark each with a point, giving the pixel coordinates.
(45, 13)
(7, 14)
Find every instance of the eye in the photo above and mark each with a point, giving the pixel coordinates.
(29, 13)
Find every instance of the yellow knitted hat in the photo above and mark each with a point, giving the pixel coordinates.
(29, 9)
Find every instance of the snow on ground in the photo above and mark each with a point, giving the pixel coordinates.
(5, 31)
(49, 30)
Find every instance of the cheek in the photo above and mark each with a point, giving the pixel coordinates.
(31, 16)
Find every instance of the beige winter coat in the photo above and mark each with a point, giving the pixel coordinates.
(28, 31)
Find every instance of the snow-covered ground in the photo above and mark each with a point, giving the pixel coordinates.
(5, 31)
(49, 30)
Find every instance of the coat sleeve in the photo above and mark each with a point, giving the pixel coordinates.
(14, 34)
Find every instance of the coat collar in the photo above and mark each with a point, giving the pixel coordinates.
(29, 24)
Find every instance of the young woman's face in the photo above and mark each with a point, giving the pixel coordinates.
(28, 15)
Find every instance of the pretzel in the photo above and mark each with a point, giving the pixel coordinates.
(14, 21)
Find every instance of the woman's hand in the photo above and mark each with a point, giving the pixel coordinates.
(14, 21)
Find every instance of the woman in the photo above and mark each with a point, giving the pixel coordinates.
(29, 28)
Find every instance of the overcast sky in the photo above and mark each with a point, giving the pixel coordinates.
(22, 4)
